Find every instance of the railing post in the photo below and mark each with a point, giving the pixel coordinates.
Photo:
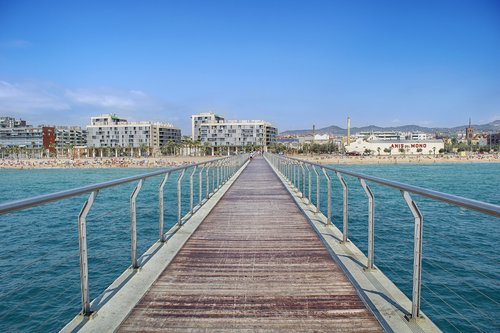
(329, 197)
(309, 183)
(345, 207)
(133, 223)
(82, 240)
(318, 185)
(179, 195)
(371, 223)
(207, 178)
(417, 255)
(160, 203)
(191, 195)
(200, 176)
(218, 175)
(303, 180)
(214, 172)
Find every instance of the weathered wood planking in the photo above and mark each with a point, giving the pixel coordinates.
(254, 264)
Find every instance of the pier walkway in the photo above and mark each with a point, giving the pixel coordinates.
(254, 264)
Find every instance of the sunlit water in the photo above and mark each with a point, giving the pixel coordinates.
(39, 263)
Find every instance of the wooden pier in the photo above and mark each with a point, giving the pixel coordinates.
(254, 264)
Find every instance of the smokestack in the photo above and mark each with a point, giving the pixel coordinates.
(314, 132)
(348, 130)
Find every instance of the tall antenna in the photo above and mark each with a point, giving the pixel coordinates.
(348, 130)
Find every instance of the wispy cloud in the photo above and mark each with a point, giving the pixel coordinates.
(15, 44)
(29, 98)
(102, 99)
(42, 102)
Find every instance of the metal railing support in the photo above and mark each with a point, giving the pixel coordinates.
(329, 197)
(417, 255)
(179, 195)
(318, 185)
(133, 223)
(218, 176)
(82, 240)
(207, 178)
(371, 223)
(303, 180)
(345, 208)
(191, 194)
(200, 180)
(309, 183)
(160, 204)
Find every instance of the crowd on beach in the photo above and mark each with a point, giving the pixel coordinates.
(152, 162)
(395, 159)
(121, 162)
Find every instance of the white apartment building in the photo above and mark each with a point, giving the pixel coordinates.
(217, 132)
(111, 131)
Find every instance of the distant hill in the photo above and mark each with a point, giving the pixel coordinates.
(494, 126)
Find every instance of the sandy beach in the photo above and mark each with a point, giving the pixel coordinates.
(151, 162)
(335, 159)
(121, 162)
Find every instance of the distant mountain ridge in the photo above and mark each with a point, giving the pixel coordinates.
(493, 126)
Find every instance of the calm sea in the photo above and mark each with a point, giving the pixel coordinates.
(39, 264)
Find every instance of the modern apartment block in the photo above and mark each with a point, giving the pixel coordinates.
(111, 131)
(16, 132)
(218, 132)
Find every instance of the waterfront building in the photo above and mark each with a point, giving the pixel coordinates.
(231, 135)
(42, 138)
(376, 146)
(110, 131)
(10, 122)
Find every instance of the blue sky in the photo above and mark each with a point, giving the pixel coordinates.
(294, 63)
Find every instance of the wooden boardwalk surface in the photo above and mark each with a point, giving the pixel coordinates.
(255, 264)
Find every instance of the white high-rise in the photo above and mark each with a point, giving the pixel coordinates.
(215, 131)
(111, 131)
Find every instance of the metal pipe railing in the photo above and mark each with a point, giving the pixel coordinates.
(287, 165)
(233, 163)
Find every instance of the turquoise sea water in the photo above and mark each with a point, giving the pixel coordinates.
(39, 264)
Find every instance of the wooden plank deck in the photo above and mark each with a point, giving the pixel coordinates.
(254, 264)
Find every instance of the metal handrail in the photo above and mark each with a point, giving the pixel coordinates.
(286, 166)
(480, 206)
(46, 198)
(231, 165)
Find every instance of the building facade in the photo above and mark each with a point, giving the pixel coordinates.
(375, 146)
(111, 131)
(17, 133)
(216, 132)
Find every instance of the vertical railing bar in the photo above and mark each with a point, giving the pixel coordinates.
(417, 254)
(371, 223)
(318, 186)
(207, 178)
(179, 195)
(82, 240)
(200, 176)
(133, 223)
(160, 204)
(309, 183)
(345, 208)
(303, 180)
(191, 194)
(329, 197)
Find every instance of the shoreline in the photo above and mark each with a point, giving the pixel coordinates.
(101, 163)
(420, 159)
(172, 161)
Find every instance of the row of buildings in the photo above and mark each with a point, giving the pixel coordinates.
(114, 133)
